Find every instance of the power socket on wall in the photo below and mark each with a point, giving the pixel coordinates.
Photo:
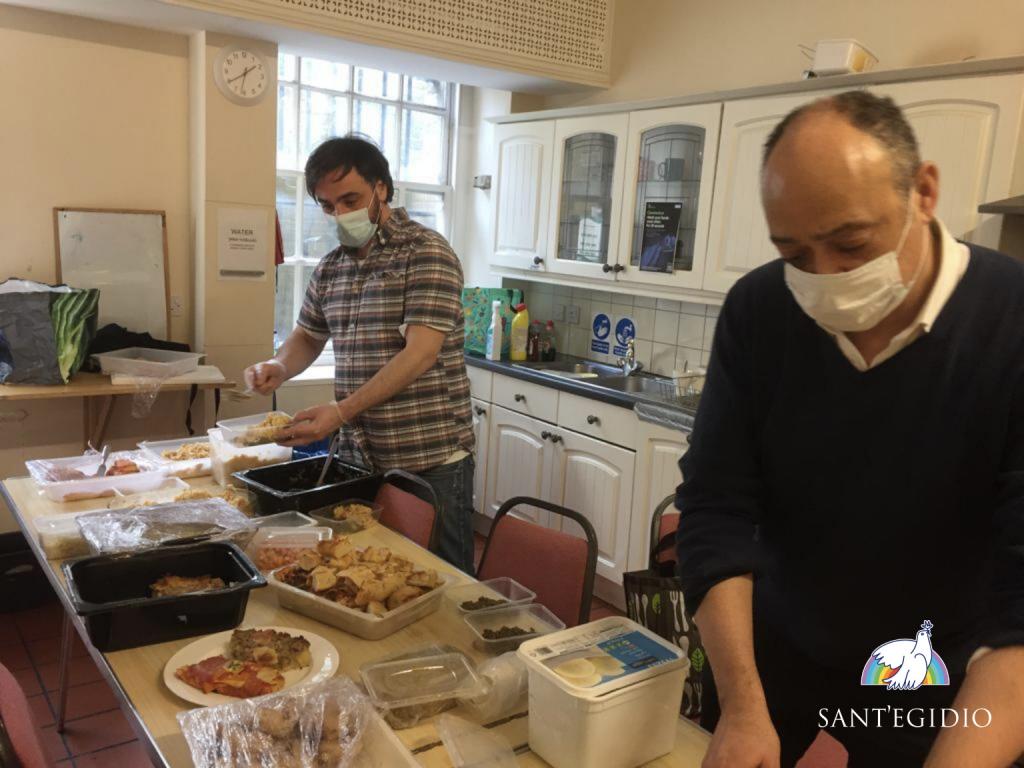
(572, 314)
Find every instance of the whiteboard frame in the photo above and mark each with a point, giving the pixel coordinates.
(163, 226)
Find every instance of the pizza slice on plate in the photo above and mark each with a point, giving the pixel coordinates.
(241, 679)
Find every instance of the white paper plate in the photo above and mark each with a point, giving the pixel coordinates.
(324, 666)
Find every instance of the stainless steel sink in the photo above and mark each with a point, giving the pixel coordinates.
(647, 385)
(572, 369)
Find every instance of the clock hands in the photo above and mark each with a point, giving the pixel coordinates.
(246, 72)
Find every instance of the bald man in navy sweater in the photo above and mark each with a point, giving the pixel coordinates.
(856, 469)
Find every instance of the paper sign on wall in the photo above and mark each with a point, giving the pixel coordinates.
(243, 244)
(601, 328)
(625, 329)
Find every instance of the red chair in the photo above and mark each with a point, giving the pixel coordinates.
(21, 741)
(663, 526)
(410, 507)
(556, 565)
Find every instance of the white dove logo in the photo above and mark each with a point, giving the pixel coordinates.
(906, 665)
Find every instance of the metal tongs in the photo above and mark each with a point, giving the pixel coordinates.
(104, 455)
(330, 458)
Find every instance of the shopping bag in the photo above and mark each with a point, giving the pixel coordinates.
(655, 600)
(476, 308)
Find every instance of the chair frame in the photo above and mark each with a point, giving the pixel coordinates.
(421, 489)
(659, 512)
(588, 531)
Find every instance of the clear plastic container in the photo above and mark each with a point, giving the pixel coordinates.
(473, 746)
(226, 459)
(246, 431)
(195, 467)
(167, 491)
(60, 537)
(153, 363)
(422, 681)
(534, 617)
(284, 520)
(71, 478)
(272, 548)
(509, 591)
(353, 524)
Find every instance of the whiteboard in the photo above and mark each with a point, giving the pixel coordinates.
(124, 254)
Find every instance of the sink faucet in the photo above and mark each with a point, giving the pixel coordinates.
(630, 364)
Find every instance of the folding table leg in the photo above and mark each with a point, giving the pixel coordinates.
(66, 644)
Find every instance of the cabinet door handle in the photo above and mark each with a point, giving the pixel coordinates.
(538, 260)
(593, 420)
(556, 438)
(480, 411)
(519, 398)
(620, 267)
(545, 435)
(606, 268)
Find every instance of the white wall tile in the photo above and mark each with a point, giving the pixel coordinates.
(645, 301)
(601, 297)
(563, 294)
(663, 359)
(578, 342)
(644, 321)
(643, 351)
(709, 332)
(713, 310)
(688, 359)
(666, 326)
(691, 331)
(705, 357)
(668, 304)
(539, 306)
(689, 308)
(621, 300)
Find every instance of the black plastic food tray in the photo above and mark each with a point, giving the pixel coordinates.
(289, 486)
(111, 593)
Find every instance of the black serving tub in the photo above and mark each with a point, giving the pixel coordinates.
(111, 592)
(290, 486)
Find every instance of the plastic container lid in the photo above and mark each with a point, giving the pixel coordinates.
(534, 617)
(273, 548)
(325, 516)
(595, 659)
(422, 680)
(509, 591)
(177, 467)
(143, 361)
(289, 519)
(246, 432)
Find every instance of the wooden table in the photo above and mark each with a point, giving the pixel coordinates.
(136, 674)
(98, 393)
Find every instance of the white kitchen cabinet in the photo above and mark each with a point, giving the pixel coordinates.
(670, 160)
(518, 463)
(657, 460)
(738, 237)
(586, 205)
(969, 127)
(595, 479)
(522, 194)
(481, 432)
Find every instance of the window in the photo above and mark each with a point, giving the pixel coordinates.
(410, 118)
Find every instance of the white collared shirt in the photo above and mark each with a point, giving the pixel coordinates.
(953, 257)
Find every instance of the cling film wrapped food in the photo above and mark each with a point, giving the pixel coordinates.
(127, 530)
(320, 725)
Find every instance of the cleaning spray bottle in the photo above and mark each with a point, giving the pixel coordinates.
(494, 332)
(520, 332)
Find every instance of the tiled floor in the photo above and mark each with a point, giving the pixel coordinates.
(96, 733)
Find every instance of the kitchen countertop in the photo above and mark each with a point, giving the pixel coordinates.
(671, 410)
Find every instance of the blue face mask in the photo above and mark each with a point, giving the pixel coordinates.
(355, 228)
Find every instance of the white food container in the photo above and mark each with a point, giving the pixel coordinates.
(296, 540)
(226, 459)
(510, 591)
(615, 702)
(183, 468)
(149, 477)
(533, 616)
(153, 363)
(841, 57)
(60, 537)
(164, 493)
(246, 432)
(358, 623)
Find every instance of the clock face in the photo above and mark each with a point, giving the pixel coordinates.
(242, 75)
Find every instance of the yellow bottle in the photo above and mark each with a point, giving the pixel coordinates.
(520, 332)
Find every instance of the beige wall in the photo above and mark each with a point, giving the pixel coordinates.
(664, 48)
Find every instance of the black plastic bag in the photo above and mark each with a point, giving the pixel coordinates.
(27, 340)
(655, 600)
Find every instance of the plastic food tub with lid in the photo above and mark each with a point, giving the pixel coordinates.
(509, 591)
(149, 363)
(227, 459)
(605, 693)
(245, 431)
(272, 548)
(199, 467)
(533, 617)
(325, 516)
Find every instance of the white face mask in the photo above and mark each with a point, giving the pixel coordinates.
(355, 227)
(856, 300)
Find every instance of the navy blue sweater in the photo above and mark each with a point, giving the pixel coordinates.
(864, 502)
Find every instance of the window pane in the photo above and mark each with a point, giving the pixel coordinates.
(426, 207)
(432, 93)
(423, 148)
(380, 123)
(287, 189)
(319, 235)
(287, 130)
(321, 116)
(285, 310)
(285, 66)
(373, 82)
(325, 74)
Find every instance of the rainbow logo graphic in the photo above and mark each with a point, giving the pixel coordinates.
(905, 664)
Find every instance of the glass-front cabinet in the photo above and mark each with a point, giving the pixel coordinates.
(671, 156)
(587, 182)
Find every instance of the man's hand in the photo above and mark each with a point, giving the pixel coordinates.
(744, 739)
(265, 377)
(311, 425)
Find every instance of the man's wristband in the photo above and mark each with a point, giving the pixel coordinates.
(337, 407)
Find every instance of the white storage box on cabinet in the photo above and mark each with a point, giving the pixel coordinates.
(620, 711)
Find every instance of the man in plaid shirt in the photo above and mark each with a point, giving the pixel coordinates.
(389, 299)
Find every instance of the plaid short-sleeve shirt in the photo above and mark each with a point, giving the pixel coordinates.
(411, 276)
